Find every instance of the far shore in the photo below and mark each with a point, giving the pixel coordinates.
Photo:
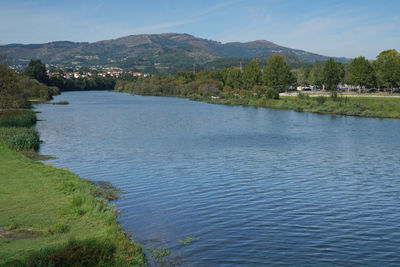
(346, 94)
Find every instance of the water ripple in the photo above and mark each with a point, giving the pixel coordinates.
(258, 187)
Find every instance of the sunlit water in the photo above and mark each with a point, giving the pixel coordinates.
(255, 186)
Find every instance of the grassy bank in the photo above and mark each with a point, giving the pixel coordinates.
(51, 217)
(377, 107)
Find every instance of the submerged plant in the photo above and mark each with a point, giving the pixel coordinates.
(188, 240)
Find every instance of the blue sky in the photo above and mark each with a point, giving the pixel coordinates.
(333, 28)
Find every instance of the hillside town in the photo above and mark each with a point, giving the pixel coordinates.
(80, 74)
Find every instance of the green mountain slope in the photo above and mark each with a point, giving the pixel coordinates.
(168, 52)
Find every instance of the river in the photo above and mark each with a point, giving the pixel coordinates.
(241, 185)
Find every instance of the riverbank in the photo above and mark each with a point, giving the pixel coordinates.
(374, 106)
(50, 216)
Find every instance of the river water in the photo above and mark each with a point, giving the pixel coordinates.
(243, 186)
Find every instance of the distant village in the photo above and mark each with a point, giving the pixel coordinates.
(88, 74)
(68, 73)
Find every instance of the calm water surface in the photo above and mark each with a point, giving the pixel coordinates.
(256, 186)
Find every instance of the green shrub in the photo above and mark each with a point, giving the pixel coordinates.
(303, 96)
(272, 93)
(320, 99)
(59, 228)
(17, 118)
(76, 253)
(18, 138)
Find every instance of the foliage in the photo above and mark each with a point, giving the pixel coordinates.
(20, 138)
(332, 74)
(11, 95)
(17, 118)
(321, 99)
(59, 228)
(302, 96)
(91, 238)
(359, 72)
(210, 87)
(277, 74)
(35, 89)
(388, 68)
(315, 76)
(159, 252)
(37, 70)
(302, 75)
(83, 84)
(355, 106)
(251, 75)
(75, 253)
(272, 93)
(188, 240)
(234, 78)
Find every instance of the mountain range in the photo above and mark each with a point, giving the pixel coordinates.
(166, 52)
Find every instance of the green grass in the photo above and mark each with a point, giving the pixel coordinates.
(20, 138)
(377, 107)
(62, 210)
(66, 219)
(17, 118)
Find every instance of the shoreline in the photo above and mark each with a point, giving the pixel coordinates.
(365, 106)
(358, 107)
(51, 215)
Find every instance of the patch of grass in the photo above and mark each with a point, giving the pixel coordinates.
(90, 252)
(17, 118)
(33, 155)
(38, 196)
(14, 226)
(19, 138)
(376, 107)
(106, 190)
(59, 228)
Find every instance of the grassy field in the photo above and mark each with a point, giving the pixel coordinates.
(51, 217)
(377, 107)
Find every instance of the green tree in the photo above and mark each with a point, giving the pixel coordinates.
(37, 70)
(315, 76)
(331, 74)
(302, 75)
(388, 68)
(251, 75)
(11, 95)
(360, 73)
(234, 78)
(342, 72)
(277, 74)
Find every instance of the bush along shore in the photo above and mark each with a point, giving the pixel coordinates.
(363, 106)
(50, 216)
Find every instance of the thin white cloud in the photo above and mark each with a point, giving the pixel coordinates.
(169, 25)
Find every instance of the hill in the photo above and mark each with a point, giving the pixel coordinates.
(166, 52)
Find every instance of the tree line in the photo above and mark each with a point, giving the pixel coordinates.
(384, 72)
(16, 89)
(37, 70)
(276, 76)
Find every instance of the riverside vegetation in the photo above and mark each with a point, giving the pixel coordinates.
(50, 216)
(253, 87)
